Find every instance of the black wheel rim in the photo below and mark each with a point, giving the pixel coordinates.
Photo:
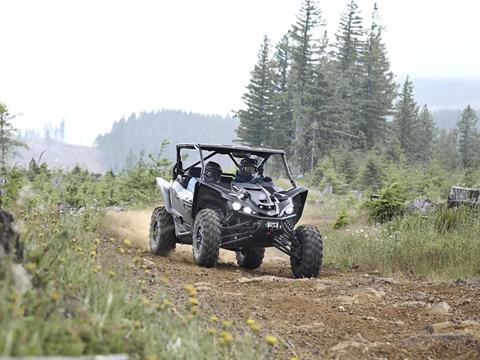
(199, 237)
(156, 232)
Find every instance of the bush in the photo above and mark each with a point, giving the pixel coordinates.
(342, 220)
(391, 203)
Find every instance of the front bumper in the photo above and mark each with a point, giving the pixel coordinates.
(251, 230)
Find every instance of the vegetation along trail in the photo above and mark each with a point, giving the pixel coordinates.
(339, 315)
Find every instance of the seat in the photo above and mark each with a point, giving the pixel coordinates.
(192, 172)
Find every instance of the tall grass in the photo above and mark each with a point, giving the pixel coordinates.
(445, 245)
(82, 303)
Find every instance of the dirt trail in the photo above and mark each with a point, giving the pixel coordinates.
(344, 315)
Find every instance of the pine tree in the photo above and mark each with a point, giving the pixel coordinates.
(372, 175)
(424, 136)
(257, 119)
(8, 136)
(405, 120)
(378, 87)
(348, 74)
(283, 130)
(468, 137)
(349, 41)
(445, 149)
(300, 81)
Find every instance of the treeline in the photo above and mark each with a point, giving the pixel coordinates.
(143, 134)
(322, 100)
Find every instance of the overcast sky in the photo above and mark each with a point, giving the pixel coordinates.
(92, 61)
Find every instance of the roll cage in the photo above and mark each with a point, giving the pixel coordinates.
(232, 151)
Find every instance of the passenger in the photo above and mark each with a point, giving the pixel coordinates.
(212, 173)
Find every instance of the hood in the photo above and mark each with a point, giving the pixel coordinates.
(260, 200)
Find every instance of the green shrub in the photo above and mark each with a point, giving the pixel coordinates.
(342, 220)
(390, 203)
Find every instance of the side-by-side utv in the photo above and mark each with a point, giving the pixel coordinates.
(243, 211)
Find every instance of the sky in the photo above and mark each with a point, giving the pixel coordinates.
(91, 62)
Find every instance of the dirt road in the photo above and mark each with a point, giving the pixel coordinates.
(346, 315)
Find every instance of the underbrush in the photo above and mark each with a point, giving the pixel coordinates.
(82, 302)
(443, 245)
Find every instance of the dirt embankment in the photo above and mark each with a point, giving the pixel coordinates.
(345, 315)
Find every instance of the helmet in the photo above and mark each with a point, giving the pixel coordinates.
(247, 167)
(212, 171)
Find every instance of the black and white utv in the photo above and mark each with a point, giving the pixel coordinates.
(242, 211)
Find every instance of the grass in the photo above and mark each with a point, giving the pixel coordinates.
(84, 301)
(444, 245)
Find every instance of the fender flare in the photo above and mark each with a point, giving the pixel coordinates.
(164, 187)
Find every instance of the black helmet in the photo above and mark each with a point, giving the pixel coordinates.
(247, 168)
(212, 171)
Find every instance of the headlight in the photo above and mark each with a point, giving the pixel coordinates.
(289, 210)
(236, 206)
(247, 210)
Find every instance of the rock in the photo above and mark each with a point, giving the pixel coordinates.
(420, 295)
(465, 326)
(368, 295)
(386, 280)
(203, 286)
(440, 308)
(371, 318)
(429, 340)
(346, 300)
(21, 279)
(148, 264)
(341, 308)
(399, 323)
(413, 304)
(463, 301)
(355, 342)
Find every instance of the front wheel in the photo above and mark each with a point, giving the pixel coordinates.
(250, 258)
(307, 252)
(206, 238)
(162, 232)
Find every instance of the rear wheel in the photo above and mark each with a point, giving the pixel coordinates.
(308, 251)
(162, 232)
(206, 238)
(250, 258)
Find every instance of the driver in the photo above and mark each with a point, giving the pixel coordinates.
(246, 169)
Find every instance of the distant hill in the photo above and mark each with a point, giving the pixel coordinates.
(58, 154)
(449, 94)
(146, 131)
(447, 98)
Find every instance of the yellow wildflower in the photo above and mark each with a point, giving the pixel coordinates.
(112, 273)
(54, 295)
(271, 340)
(211, 331)
(32, 267)
(190, 290)
(167, 302)
(250, 322)
(193, 301)
(214, 318)
(127, 242)
(225, 338)
(254, 327)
